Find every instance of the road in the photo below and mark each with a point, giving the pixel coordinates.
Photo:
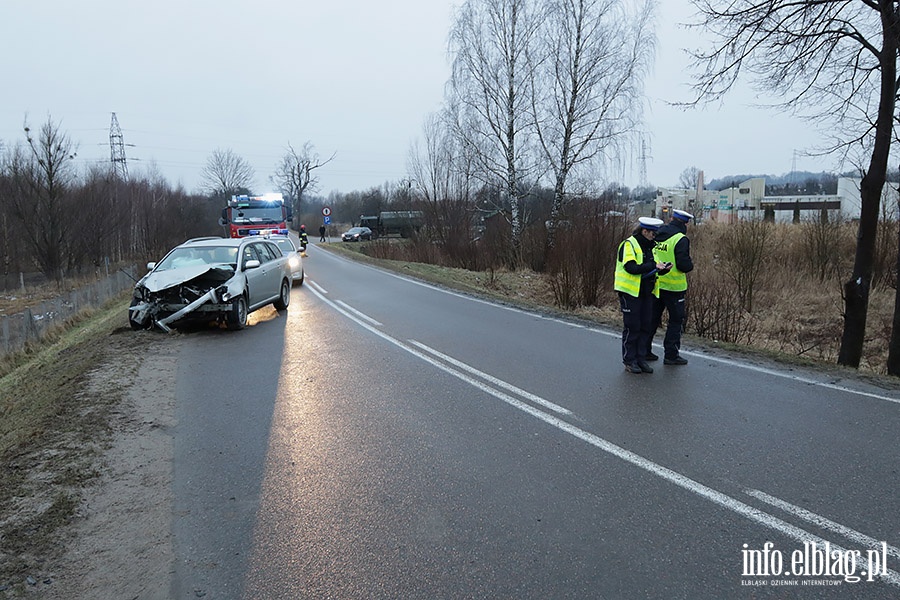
(384, 438)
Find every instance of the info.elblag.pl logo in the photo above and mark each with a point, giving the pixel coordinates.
(812, 564)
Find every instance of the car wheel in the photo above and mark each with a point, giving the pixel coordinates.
(237, 316)
(131, 320)
(284, 299)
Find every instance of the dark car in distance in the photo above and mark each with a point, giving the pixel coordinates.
(355, 234)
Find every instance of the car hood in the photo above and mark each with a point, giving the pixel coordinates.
(209, 274)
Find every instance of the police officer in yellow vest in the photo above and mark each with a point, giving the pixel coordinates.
(672, 246)
(637, 285)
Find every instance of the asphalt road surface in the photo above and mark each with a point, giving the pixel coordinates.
(384, 438)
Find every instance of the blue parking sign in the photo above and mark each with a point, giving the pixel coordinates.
(327, 220)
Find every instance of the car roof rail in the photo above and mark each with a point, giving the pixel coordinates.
(209, 237)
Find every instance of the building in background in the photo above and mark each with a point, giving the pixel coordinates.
(748, 200)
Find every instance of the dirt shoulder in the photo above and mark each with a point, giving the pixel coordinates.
(111, 536)
(121, 539)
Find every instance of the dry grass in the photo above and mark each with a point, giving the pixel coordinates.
(52, 430)
(798, 308)
(523, 287)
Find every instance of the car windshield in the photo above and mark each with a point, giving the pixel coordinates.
(356, 230)
(198, 256)
(285, 245)
(257, 214)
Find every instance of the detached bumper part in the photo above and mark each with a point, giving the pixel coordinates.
(140, 312)
(209, 296)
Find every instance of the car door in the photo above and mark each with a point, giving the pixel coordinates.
(257, 285)
(281, 261)
(272, 268)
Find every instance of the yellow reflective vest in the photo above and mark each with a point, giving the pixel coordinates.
(664, 251)
(626, 282)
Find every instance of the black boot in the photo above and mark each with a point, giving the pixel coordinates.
(678, 360)
(643, 366)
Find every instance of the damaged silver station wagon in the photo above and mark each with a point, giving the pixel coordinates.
(211, 279)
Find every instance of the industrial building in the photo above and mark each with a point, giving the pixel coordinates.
(748, 200)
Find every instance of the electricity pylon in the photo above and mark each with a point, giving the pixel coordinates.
(117, 149)
(645, 157)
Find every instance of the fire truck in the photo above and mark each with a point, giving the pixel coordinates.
(255, 215)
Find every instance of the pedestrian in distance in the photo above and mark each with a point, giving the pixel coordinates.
(636, 281)
(322, 233)
(304, 240)
(672, 246)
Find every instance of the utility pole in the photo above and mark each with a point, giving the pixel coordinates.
(793, 181)
(117, 149)
(645, 156)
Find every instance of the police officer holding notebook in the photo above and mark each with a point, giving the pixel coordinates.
(672, 246)
(636, 281)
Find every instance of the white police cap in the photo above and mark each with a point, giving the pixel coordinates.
(682, 215)
(650, 223)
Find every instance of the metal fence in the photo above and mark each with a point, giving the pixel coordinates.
(10, 282)
(17, 330)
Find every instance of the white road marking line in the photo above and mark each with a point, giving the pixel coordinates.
(359, 314)
(316, 286)
(490, 378)
(459, 375)
(725, 501)
(489, 302)
(797, 378)
(822, 522)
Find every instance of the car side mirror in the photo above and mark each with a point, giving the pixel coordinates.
(251, 264)
(222, 221)
(150, 266)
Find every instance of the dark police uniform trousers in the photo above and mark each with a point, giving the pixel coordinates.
(637, 317)
(673, 304)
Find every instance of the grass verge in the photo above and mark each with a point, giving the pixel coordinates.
(53, 429)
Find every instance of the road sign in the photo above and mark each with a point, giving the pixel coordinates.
(327, 220)
(326, 211)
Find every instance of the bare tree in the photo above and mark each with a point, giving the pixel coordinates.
(41, 174)
(99, 229)
(744, 254)
(226, 174)
(294, 175)
(10, 253)
(491, 82)
(689, 178)
(432, 166)
(831, 60)
(692, 179)
(587, 95)
(442, 174)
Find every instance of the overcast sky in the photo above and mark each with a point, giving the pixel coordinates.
(356, 78)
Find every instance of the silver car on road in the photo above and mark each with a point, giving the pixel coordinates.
(212, 279)
(295, 258)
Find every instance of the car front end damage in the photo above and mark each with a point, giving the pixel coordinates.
(175, 296)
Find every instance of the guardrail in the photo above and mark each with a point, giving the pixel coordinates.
(19, 329)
